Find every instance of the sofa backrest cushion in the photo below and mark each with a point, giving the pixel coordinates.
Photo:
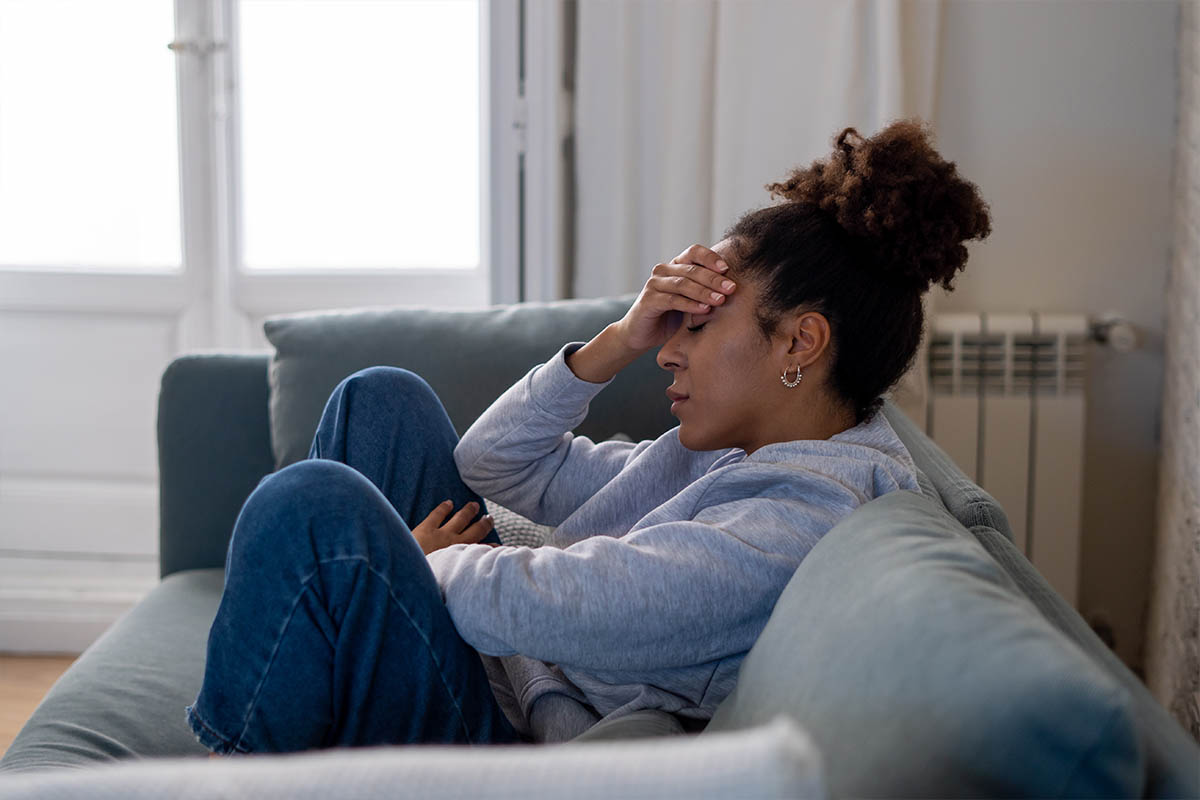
(469, 357)
(1172, 755)
(922, 670)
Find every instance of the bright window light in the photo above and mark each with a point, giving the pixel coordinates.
(359, 134)
(89, 174)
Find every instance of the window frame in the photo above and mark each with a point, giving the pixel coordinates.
(219, 301)
(260, 293)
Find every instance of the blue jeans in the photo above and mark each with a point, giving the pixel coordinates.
(331, 631)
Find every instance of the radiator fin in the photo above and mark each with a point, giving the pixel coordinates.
(1006, 403)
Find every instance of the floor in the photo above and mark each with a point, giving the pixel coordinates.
(24, 681)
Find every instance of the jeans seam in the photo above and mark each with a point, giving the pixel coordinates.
(305, 585)
(195, 716)
(428, 645)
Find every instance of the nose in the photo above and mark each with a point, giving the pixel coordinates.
(671, 356)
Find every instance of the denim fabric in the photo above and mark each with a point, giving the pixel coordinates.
(331, 631)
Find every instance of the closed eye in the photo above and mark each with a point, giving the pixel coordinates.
(695, 328)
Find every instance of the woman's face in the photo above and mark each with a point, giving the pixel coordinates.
(724, 368)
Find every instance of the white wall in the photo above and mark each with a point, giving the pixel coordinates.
(1064, 114)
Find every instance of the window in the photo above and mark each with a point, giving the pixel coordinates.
(359, 134)
(158, 201)
(89, 165)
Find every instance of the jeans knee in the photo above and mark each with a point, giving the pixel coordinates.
(289, 501)
(387, 382)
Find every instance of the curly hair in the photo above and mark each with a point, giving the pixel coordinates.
(860, 237)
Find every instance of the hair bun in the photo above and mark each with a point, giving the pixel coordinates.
(904, 203)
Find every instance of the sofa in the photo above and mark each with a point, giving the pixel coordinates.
(915, 652)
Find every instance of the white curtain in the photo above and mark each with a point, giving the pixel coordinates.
(684, 109)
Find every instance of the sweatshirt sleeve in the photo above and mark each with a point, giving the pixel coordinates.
(669, 595)
(521, 453)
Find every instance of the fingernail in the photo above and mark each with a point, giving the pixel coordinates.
(721, 265)
(717, 296)
(727, 286)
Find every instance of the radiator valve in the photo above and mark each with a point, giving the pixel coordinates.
(1111, 329)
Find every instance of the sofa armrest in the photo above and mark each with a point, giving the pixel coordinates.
(775, 760)
(214, 446)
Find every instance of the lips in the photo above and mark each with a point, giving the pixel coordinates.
(675, 396)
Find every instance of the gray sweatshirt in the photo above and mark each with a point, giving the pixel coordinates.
(664, 565)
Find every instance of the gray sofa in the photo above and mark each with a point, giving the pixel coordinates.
(915, 649)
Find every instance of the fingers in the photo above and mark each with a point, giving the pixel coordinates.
(463, 517)
(476, 532)
(709, 284)
(691, 288)
(436, 532)
(460, 525)
(699, 254)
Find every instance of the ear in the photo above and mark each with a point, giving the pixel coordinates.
(809, 336)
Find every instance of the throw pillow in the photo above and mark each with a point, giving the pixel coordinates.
(468, 357)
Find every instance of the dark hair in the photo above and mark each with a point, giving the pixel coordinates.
(859, 238)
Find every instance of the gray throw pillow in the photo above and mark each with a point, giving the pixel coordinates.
(469, 357)
(515, 530)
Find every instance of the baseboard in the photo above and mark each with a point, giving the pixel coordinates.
(62, 605)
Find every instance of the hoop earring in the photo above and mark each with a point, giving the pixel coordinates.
(791, 384)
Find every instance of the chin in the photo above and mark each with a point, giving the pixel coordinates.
(692, 442)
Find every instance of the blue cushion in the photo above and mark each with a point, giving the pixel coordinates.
(920, 669)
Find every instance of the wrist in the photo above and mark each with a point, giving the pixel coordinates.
(603, 357)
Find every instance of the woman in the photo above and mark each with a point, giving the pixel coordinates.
(340, 625)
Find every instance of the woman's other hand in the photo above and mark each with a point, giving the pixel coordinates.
(689, 283)
(437, 532)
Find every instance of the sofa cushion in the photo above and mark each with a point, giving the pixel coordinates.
(773, 761)
(1172, 756)
(468, 357)
(124, 697)
(920, 669)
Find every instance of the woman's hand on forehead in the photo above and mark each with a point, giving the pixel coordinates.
(693, 282)
(704, 256)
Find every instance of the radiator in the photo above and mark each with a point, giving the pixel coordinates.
(1006, 402)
